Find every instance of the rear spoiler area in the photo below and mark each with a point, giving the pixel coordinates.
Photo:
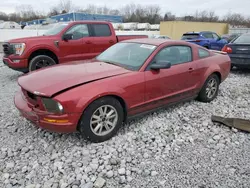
(218, 52)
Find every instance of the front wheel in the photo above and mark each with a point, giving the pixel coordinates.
(210, 89)
(40, 61)
(102, 119)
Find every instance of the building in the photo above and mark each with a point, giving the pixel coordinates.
(175, 29)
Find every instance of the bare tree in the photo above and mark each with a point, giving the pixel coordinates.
(139, 13)
(27, 13)
(235, 19)
(130, 12)
(169, 16)
(53, 11)
(65, 5)
(15, 17)
(3, 16)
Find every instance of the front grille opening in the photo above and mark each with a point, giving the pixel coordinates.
(7, 49)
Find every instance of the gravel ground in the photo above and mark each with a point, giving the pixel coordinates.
(177, 147)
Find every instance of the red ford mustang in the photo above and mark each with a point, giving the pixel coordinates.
(128, 79)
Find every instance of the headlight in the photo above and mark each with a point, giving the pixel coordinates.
(18, 48)
(52, 106)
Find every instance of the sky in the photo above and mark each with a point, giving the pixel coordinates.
(178, 7)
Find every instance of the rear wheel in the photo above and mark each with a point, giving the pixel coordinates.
(102, 119)
(210, 89)
(41, 61)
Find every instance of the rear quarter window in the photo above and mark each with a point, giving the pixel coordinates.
(203, 53)
(101, 30)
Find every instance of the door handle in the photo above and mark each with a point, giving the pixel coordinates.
(111, 41)
(88, 42)
(190, 70)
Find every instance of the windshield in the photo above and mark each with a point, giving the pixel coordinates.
(189, 36)
(128, 55)
(243, 39)
(55, 30)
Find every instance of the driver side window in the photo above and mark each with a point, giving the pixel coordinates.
(78, 31)
(174, 55)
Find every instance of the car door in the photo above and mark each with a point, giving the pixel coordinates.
(216, 44)
(173, 84)
(102, 38)
(219, 42)
(75, 48)
(212, 41)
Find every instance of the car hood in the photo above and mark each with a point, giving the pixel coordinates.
(51, 80)
(35, 38)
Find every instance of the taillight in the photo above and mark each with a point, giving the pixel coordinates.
(227, 49)
(197, 40)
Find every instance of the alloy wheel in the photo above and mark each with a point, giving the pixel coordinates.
(211, 88)
(103, 120)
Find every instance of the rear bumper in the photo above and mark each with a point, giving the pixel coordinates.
(16, 64)
(240, 61)
(38, 118)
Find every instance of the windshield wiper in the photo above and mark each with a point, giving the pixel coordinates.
(112, 63)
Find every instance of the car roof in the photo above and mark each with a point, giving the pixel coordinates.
(157, 42)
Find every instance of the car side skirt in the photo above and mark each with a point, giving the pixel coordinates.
(131, 117)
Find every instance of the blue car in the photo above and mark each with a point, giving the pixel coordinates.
(207, 39)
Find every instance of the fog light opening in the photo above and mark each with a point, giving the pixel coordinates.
(16, 61)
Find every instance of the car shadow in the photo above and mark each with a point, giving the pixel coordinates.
(164, 109)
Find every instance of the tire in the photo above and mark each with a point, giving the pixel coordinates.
(90, 131)
(203, 95)
(40, 61)
(206, 47)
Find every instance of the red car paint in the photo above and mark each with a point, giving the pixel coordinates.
(63, 51)
(76, 85)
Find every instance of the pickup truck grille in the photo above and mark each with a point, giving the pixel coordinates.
(7, 49)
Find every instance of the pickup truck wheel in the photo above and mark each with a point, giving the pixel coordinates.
(40, 61)
(102, 119)
(210, 89)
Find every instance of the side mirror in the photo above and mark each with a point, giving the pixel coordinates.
(160, 65)
(67, 37)
(219, 38)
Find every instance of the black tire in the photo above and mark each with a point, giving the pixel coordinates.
(85, 122)
(206, 47)
(40, 61)
(203, 95)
